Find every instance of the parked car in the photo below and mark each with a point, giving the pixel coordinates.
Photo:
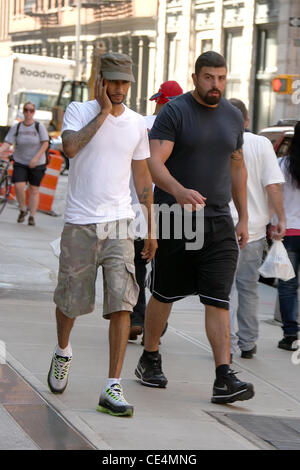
(280, 135)
(282, 144)
(275, 132)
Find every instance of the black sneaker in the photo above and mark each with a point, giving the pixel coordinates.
(249, 354)
(228, 389)
(289, 343)
(149, 371)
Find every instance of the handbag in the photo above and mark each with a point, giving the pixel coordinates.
(277, 263)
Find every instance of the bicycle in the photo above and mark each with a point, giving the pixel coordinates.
(5, 183)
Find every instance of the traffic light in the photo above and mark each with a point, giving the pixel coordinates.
(283, 84)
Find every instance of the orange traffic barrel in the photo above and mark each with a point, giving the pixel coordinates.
(49, 182)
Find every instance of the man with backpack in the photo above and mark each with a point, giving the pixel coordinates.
(31, 141)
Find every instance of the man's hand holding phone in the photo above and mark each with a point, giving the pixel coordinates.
(101, 95)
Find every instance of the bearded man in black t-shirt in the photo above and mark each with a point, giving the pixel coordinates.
(197, 164)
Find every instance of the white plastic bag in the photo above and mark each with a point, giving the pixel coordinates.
(277, 263)
(55, 245)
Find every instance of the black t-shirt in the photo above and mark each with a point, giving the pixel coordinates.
(204, 140)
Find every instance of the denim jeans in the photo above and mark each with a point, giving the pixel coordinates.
(244, 297)
(138, 315)
(287, 290)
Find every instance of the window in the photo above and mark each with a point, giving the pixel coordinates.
(206, 45)
(234, 51)
(264, 98)
(66, 95)
(173, 56)
(28, 5)
(267, 50)
(234, 59)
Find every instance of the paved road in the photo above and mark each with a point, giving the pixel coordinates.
(179, 417)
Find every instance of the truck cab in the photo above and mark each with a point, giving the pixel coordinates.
(71, 90)
(44, 103)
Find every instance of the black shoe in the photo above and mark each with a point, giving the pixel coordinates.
(287, 343)
(249, 354)
(228, 389)
(31, 220)
(149, 371)
(22, 216)
(135, 331)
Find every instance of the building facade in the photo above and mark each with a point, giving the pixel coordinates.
(55, 28)
(254, 36)
(4, 27)
(259, 39)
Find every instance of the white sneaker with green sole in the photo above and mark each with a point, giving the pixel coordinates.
(112, 401)
(58, 373)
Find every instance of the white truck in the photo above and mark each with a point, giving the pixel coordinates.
(28, 77)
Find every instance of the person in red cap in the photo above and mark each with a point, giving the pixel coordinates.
(167, 91)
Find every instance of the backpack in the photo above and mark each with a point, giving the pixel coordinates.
(37, 127)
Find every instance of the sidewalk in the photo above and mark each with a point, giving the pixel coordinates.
(177, 418)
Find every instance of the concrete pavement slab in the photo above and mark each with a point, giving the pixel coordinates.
(12, 436)
(175, 418)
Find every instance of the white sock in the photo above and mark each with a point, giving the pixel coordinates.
(111, 381)
(67, 352)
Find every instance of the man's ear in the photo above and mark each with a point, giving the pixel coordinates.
(194, 77)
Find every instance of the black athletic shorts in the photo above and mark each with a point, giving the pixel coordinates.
(207, 272)
(22, 173)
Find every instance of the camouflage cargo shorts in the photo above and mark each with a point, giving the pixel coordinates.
(83, 249)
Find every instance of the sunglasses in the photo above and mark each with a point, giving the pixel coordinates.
(28, 110)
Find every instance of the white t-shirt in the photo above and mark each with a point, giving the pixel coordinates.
(291, 199)
(263, 169)
(140, 222)
(98, 187)
(150, 121)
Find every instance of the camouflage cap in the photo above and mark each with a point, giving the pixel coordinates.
(116, 66)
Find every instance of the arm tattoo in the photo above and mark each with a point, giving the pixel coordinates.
(144, 195)
(79, 139)
(237, 155)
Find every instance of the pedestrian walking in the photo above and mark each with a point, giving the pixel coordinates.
(287, 290)
(103, 139)
(263, 186)
(167, 91)
(196, 155)
(30, 139)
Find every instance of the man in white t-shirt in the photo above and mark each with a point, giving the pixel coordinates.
(167, 91)
(263, 183)
(103, 139)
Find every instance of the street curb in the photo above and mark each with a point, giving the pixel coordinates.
(69, 417)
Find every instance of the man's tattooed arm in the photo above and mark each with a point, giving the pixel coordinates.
(74, 141)
(144, 195)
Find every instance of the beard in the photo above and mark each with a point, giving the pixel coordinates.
(209, 99)
(114, 100)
